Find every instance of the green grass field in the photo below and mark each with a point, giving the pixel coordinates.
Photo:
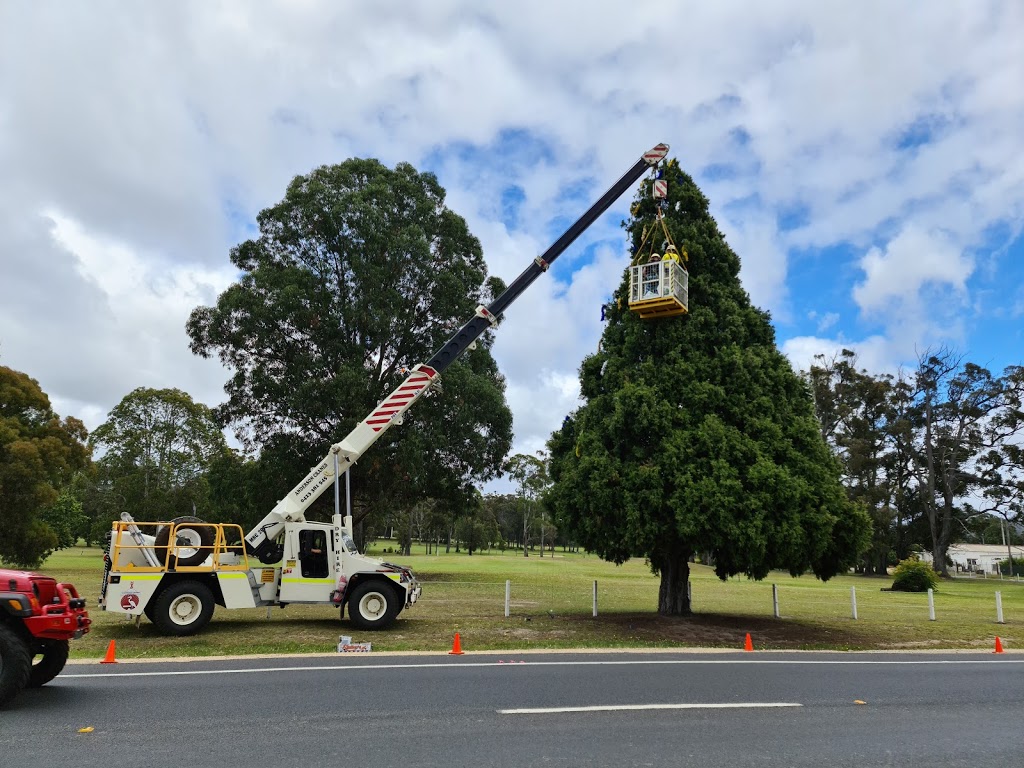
(551, 607)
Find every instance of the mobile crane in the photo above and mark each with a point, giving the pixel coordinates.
(175, 572)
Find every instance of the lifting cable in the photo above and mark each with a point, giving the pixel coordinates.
(649, 230)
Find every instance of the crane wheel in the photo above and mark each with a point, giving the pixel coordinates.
(373, 604)
(192, 545)
(183, 608)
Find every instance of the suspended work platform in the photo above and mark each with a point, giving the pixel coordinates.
(659, 289)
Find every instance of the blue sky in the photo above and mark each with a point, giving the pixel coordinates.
(871, 183)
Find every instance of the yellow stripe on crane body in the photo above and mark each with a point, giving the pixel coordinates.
(132, 576)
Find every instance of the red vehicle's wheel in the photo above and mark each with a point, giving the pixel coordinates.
(51, 656)
(15, 663)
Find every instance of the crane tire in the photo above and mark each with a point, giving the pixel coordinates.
(54, 655)
(15, 663)
(183, 608)
(195, 544)
(373, 604)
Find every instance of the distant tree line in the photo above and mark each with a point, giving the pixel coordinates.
(935, 454)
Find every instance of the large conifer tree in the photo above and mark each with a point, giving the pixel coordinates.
(696, 436)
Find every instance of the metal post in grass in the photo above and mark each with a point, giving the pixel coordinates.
(931, 605)
(508, 595)
(689, 594)
(775, 600)
(595, 598)
(853, 602)
(999, 608)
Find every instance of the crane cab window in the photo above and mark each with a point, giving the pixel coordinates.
(313, 554)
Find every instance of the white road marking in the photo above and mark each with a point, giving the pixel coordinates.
(625, 707)
(521, 664)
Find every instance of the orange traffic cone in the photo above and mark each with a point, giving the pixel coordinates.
(456, 646)
(109, 658)
(747, 645)
(999, 645)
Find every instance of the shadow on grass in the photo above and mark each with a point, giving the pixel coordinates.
(717, 630)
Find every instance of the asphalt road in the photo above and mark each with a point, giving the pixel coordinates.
(684, 709)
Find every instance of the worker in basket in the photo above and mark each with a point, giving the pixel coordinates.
(650, 277)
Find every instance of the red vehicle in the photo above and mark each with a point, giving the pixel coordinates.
(38, 618)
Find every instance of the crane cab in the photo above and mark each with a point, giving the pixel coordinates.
(659, 289)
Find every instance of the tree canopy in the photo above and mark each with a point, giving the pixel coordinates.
(157, 446)
(696, 437)
(359, 273)
(530, 474)
(39, 455)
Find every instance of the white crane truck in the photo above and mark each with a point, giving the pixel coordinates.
(176, 572)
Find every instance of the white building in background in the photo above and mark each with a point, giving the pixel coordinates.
(978, 558)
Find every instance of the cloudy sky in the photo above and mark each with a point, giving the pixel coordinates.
(866, 161)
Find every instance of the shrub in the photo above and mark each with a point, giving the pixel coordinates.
(913, 575)
(1017, 567)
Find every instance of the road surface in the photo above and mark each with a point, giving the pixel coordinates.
(610, 709)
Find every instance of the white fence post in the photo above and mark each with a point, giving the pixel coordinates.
(595, 598)
(508, 595)
(999, 608)
(931, 605)
(853, 602)
(689, 594)
(775, 600)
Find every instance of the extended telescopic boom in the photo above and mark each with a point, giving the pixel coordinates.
(293, 506)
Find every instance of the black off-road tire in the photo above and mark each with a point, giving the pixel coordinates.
(183, 608)
(51, 656)
(373, 604)
(203, 540)
(15, 663)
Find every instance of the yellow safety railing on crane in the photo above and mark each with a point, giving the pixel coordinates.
(162, 546)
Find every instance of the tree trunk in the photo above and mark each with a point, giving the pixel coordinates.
(939, 559)
(408, 541)
(525, 536)
(673, 599)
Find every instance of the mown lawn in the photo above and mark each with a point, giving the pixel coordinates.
(551, 607)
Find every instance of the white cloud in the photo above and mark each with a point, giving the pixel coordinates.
(911, 261)
(916, 289)
(154, 133)
(875, 353)
(123, 325)
(827, 321)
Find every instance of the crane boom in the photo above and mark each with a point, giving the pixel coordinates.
(422, 377)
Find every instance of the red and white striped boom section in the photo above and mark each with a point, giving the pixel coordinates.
(389, 411)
